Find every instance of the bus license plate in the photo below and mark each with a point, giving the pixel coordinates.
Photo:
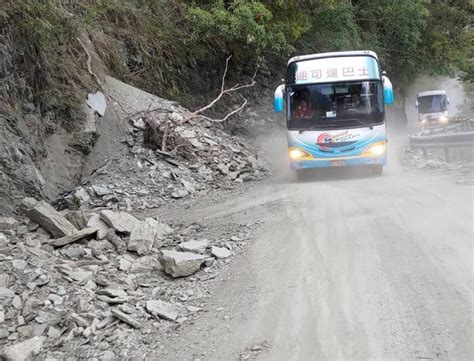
(338, 163)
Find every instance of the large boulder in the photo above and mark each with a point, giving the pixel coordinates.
(50, 220)
(147, 234)
(120, 221)
(181, 264)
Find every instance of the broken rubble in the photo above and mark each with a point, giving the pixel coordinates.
(77, 219)
(125, 318)
(220, 252)
(86, 232)
(78, 320)
(147, 234)
(125, 262)
(7, 223)
(25, 350)
(145, 264)
(77, 275)
(164, 310)
(118, 243)
(73, 289)
(194, 246)
(180, 193)
(101, 191)
(120, 221)
(3, 280)
(19, 264)
(6, 293)
(112, 292)
(27, 203)
(51, 220)
(96, 222)
(181, 264)
(3, 240)
(75, 251)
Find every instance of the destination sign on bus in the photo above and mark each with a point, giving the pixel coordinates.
(334, 69)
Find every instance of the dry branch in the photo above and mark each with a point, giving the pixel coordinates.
(222, 93)
(228, 115)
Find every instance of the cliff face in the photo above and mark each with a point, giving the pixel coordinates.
(48, 52)
(19, 147)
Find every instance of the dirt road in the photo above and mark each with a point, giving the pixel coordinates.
(345, 267)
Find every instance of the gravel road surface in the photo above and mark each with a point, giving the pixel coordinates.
(345, 267)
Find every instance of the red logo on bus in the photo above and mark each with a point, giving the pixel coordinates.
(324, 138)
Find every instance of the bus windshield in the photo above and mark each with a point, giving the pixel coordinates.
(432, 104)
(337, 105)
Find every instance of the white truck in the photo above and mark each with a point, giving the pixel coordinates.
(432, 108)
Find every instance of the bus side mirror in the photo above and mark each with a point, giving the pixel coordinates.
(416, 104)
(278, 99)
(387, 90)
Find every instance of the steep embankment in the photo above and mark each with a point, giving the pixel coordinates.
(47, 132)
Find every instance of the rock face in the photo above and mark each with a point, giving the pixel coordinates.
(147, 234)
(162, 309)
(194, 246)
(181, 264)
(120, 221)
(51, 220)
(25, 350)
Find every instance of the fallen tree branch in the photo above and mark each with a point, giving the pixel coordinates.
(222, 92)
(228, 115)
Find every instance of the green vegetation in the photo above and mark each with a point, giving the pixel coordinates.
(177, 48)
(38, 58)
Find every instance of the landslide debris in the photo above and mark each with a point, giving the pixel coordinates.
(67, 295)
(152, 152)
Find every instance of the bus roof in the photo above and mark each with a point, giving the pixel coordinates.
(332, 55)
(432, 92)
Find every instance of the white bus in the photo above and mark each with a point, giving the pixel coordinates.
(335, 110)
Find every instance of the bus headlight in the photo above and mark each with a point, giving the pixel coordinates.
(375, 150)
(300, 154)
(443, 119)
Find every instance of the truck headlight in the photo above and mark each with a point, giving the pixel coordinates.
(300, 154)
(375, 150)
(443, 119)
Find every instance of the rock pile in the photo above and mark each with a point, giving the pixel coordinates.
(99, 283)
(434, 161)
(167, 156)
